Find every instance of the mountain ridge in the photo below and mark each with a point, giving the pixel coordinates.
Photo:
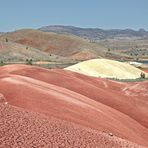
(95, 33)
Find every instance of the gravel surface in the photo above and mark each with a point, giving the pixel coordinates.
(23, 129)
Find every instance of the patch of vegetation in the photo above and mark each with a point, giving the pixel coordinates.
(6, 39)
(129, 80)
(29, 61)
(142, 75)
(2, 63)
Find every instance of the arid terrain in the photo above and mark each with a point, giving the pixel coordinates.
(74, 74)
(107, 69)
(69, 46)
(26, 129)
(63, 45)
(67, 87)
(124, 41)
(52, 43)
(88, 111)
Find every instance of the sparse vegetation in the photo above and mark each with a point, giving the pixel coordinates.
(137, 59)
(142, 75)
(6, 39)
(109, 49)
(129, 80)
(29, 61)
(1, 63)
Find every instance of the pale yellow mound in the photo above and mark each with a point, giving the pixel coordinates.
(106, 69)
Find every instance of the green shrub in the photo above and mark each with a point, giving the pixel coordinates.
(29, 61)
(1, 63)
(142, 75)
(6, 39)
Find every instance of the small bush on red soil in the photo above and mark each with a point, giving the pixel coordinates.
(142, 75)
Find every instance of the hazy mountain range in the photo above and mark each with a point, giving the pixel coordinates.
(96, 33)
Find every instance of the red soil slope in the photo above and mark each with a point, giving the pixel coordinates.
(132, 96)
(84, 55)
(20, 128)
(146, 70)
(96, 103)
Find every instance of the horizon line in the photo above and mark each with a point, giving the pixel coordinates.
(76, 26)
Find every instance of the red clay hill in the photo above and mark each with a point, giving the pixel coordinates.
(65, 105)
(146, 70)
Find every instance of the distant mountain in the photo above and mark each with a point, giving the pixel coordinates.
(1, 33)
(96, 33)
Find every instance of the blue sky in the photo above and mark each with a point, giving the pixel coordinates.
(106, 14)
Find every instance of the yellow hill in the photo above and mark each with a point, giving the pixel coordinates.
(106, 69)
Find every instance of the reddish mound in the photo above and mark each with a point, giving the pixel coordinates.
(110, 93)
(145, 70)
(20, 128)
(84, 55)
(28, 42)
(66, 103)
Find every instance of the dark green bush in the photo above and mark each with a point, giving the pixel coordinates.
(29, 61)
(142, 75)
